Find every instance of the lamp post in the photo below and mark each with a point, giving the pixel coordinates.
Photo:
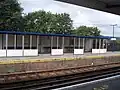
(113, 29)
(114, 25)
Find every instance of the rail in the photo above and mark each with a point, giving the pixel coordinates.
(60, 81)
(32, 75)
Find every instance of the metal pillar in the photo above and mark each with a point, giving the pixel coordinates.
(63, 43)
(83, 43)
(37, 42)
(91, 42)
(23, 44)
(99, 43)
(51, 42)
(79, 43)
(6, 43)
(2, 41)
(30, 41)
(96, 44)
(106, 43)
(15, 41)
(74, 42)
(57, 42)
(103, 44)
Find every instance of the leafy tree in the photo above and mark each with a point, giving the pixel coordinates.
(10, 15)
(46, 22)
(86, 31)
(62, 24)
(38, 21)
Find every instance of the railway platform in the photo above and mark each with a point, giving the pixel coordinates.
(48, 57)
(48, 62)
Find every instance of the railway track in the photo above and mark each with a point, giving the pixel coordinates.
(75, 75)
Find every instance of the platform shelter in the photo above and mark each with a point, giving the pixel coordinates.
(34, 44)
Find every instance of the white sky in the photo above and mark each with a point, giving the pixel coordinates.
(79, 15)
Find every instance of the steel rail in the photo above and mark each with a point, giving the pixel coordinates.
(63, 80)
(60, 69)
(6, 78)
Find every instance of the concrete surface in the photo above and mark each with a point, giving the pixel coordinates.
(67, 55)
(110, 83)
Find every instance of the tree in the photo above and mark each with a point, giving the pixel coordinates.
(38, 21)
(10, 15)
(46, 22)
(62, 24)
(86, 31)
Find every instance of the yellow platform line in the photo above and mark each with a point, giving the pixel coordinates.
(51, 59)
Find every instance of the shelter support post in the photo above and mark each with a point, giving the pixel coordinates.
(79, 43)
(57, 42)
(23, 45)
(74, 42)
(15, 36)
(103, 44)
(99, 43)
(51, 42)
(106, 43)
(37, 42)
(30, 41)
(83, 43)
(96, 44)
(63, 43)
(6, 43)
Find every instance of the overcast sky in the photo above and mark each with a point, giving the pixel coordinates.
(79, 15)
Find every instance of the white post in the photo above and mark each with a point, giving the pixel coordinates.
(83, 42)
(2, 41)
(99, 43)
(57, 42)
(96, 44)
(30, 41)
(79, 43)
(51, 42)
(63, 43)
(15, 41)
(106, 43)
(103, 44)
(91, 42)
(6, 43)
(23, 45)
(37, 42)
(74, 42)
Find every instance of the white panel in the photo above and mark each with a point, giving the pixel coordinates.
(95, 50)
(2, 53)
(14, 52)
(101, 51)
(57, 52)
(105, 50)
(78, 51)
(113, 39)
(31, 52)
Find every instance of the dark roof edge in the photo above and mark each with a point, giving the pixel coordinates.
(41, 34)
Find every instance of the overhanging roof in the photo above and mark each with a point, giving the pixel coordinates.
(65, 35)
(111, 6)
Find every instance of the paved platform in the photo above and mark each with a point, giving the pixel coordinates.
(67, 55)
(48, 62)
